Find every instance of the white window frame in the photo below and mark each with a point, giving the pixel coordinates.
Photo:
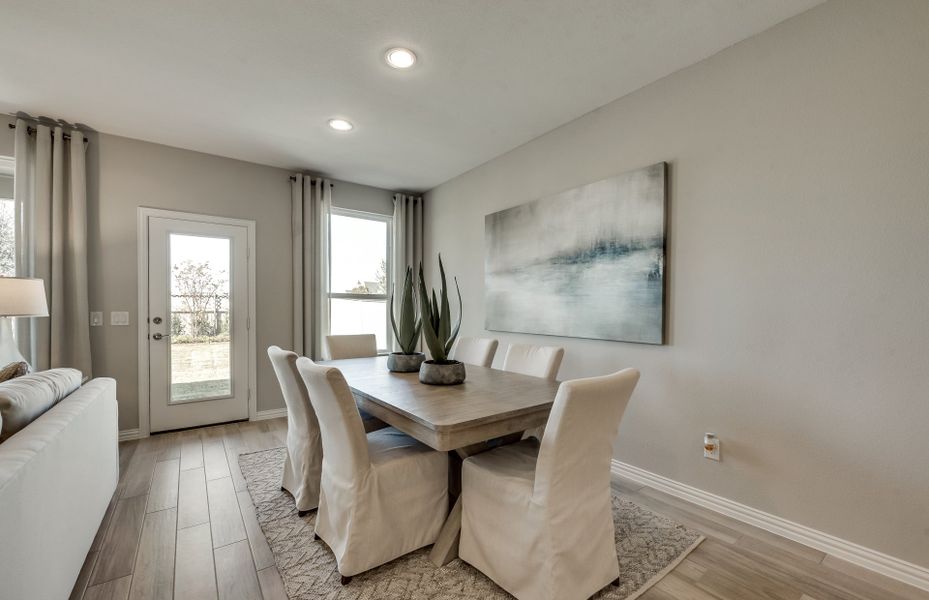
(8, 163)
(370, 216)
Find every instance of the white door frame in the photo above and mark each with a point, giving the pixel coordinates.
(143, 245)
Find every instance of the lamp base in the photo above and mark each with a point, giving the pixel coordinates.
(9, 351)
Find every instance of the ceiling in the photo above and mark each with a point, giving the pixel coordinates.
(259, 80)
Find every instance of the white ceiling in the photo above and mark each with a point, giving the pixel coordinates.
(257, 80)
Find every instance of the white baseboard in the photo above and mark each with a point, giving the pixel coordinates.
(274, 413)
(130, 434)
(873, 560)
(136, 434)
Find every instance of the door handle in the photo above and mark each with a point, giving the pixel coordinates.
(158, 336)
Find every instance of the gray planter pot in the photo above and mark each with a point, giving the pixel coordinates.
(433, 373)
(404, 363)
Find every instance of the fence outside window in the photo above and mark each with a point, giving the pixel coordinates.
(199, 318)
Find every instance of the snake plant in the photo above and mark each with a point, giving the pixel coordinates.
(407, 331)
(436, 317)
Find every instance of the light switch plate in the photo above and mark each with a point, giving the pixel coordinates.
(119, 317)
(96, 318)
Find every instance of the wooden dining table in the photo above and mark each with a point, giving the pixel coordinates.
(463, 419)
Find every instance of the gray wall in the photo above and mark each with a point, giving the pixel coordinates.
(798, 267)
(6, 136)
(124, 174)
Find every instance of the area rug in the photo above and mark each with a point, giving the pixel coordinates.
(648, 546)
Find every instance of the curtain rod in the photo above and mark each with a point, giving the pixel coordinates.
(31, 130)
(294, 178)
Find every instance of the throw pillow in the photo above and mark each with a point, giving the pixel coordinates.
(13, 370)
(26, 398)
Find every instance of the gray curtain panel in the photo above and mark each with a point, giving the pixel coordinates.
(51, 213)
(311, 203)
(407, 239)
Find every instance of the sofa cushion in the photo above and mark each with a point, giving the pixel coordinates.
(25, 398)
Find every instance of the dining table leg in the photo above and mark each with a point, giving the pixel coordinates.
(445, 548)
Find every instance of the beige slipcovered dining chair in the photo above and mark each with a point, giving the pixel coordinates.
(536, 361)
(351, 346)
(383, 494)
(474, 351)
(362, 345)
(304, 446)
(537, 517)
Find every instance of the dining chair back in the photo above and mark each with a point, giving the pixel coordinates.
(355, 346)
(537, 361)
(341, 427)
(551, 496)
(382, 494)
(304, 446)
(576, 452)
(351, 346)
(474, 351)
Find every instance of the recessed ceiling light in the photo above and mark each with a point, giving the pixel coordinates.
(400, 58)
(340, 125)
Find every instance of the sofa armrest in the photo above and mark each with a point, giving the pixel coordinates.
(57, 476)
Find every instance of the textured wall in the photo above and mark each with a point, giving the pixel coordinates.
(798, 267)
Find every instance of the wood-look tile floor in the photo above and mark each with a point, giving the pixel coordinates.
(181, 525)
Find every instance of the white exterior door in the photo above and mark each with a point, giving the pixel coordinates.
(198, 339)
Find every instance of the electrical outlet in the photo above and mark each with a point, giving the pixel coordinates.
(119, 317)
(711, 446)
(96, 318)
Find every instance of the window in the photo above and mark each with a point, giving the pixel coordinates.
(7, 219)
(359, 274)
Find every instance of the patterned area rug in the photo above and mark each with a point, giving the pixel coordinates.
(648, 546)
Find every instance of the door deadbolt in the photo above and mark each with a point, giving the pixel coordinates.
(156, 320)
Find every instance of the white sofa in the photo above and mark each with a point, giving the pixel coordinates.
(57, 476)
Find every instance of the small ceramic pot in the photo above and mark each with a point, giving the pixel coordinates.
(450, 373)
(399, 362)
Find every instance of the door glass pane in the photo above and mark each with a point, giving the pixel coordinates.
(201, 343)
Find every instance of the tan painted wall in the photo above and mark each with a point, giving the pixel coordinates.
(798, 267)
(124, 174)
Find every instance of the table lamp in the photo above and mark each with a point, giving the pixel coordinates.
(19, 297)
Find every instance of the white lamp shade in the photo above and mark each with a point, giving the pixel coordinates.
(22, 297)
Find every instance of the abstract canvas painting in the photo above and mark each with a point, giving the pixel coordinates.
(588, 262)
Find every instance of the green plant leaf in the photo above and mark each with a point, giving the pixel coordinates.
(407, 308)
(408, 322)
(445, 318)
(454, 335)
(393, 322)
(435, 315)
(419, 327)
(436, 348)
(406, 332)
